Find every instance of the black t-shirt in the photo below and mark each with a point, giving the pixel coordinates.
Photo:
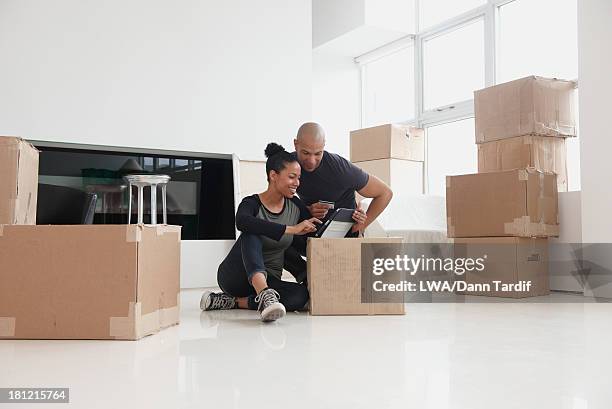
(334, 180)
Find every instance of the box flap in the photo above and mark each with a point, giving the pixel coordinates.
(18, 181)
(27, 184)
(9, 160)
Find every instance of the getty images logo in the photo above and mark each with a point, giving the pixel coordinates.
(413, 265)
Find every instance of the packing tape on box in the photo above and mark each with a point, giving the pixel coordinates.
(133, 234)
(554, 129)
(165, 229)
(136, 325)
(448, 181)
(523, 174)
(7, 326)
(524, 227)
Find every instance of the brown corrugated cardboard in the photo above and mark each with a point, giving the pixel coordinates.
(18, 181)
(539, 152)
(527, 106)
(88, 281)
(511, 260)
(405, 176)
(334, 278)
(388, 141)
(520, 202)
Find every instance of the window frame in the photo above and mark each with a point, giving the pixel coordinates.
(459, 110)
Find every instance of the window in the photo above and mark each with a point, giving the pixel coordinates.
(538, 37)
(461, 46)
(453, 65)
(433, 12)
(389, 89)
(451, 150)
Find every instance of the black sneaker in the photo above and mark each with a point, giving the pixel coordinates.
(216, 301)
(270, 308)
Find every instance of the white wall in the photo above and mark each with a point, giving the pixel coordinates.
(222, 76)
(253, 176)
(336, 98)
(594, 66)
(332, 18)
(354, 27)
(395, 15)
(196, 75)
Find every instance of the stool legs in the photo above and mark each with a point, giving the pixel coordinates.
(164, 203)
(153, 204)
(129, 203)
(140, 208)
(140, 204)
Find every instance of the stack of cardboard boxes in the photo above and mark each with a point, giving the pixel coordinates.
(78, 282)
(511, 204)
(393, 153)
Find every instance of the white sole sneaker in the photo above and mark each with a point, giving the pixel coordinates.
(273, 312)
(205, 300)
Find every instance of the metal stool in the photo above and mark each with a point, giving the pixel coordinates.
(140, 181)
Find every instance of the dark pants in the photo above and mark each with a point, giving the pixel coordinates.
(243, 261)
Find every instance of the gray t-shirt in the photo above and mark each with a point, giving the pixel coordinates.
(274, 251)
(334, 180)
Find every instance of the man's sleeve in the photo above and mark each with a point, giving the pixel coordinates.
(355, 177)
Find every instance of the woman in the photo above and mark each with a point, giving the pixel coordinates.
(250, 275)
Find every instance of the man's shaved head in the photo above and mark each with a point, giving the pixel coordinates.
(309, 145)
(311, 132)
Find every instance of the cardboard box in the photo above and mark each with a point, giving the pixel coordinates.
(520, 202)
(529, 151)
(388, 141)
(527, 106)
(88, 281)
(405, 176)
(510, 260)
(18, 181)
(334, 278)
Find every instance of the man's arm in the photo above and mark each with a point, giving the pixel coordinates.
(381, 195)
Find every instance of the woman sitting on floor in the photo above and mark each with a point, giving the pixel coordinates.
(250, 275)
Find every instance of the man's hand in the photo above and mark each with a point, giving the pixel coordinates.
(381, 195)
(318, 210)
(305, 227)
(360, 218)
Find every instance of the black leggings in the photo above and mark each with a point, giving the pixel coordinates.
(245, 259)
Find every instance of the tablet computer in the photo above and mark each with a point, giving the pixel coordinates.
(337, 225)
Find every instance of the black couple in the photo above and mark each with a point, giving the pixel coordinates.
(303, 186)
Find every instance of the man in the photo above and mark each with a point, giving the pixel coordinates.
(330, 177)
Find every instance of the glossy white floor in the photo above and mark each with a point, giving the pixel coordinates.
(525, 355)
